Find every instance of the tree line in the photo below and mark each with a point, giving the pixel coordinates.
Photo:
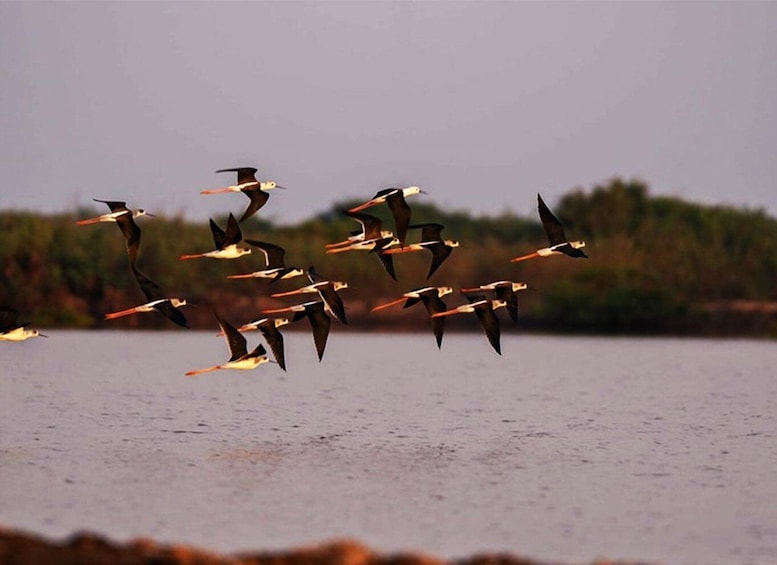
(658, 265)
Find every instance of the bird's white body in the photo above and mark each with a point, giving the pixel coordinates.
(547, 251)
(364, 245)
(514, 286)
(277, 322)
(245, 364)
(113, 216)
(465, 308)
(229, 252)
(147, 307)
(19, 334)
(269, 274)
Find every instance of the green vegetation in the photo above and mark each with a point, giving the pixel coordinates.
(658, 265)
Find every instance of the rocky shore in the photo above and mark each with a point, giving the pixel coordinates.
(18, 548)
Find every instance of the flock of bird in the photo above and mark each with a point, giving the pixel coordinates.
(327, 303)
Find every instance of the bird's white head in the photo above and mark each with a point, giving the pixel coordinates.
(340, 285)
(141, 212)
(498, 304)
(443, 290)
(577, 244)
(451, 243)
(269, 185)
(177, 302)
(516, 286)
(411, 190)
(280, 322)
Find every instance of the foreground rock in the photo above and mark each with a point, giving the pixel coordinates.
(89, 549)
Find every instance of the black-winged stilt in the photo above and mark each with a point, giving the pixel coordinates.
(276, 268)
(395, 199)
(241, 359)
(432, 241)
(274, 338)
(503, 290)
(125, 219)
(484, 310)
(11, 329)
(157, 301)
(558, 240)
(226, 242)
(326, 289)
(248, 184)
(431, 296)
(315, 312)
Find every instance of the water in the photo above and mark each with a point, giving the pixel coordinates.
(561, 449)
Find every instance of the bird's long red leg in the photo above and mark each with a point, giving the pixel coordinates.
(127, 312)
(339, 249)
(185, 257)
(277, 310)
(524, 257)
(246, 276)
(200, 371)
(389, 304)
(288, 293)
(215, 190)
(446, 313)
(338, 244)
(363, 206)
(88, 221)
(406, 248)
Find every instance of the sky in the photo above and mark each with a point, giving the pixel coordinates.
(481, 104)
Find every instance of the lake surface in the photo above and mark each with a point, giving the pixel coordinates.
(561, 449)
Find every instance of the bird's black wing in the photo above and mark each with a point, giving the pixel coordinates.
(401, 212)
(435, 305)
(511, 298)
(274, 339)
(371, 225)
(319, 322)
(258, 199)
(490, 323)
(131, 233)
(235, 340)
(429, 232)
(8, 319)
(233, 234)
(150, 289)
(114, 205)
(218, 234)
(385, 259)
(172, 313)
(553, 227)
(244, 174)
(440, 253)
(258, 351)
(314, 276)
(274, 254)
(333, 300)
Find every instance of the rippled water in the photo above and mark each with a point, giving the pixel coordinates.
(563, 448)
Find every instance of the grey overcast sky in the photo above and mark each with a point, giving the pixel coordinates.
(482, 104)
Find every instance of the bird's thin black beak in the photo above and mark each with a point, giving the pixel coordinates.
(42, 335)
(152, 215)
(281, 187)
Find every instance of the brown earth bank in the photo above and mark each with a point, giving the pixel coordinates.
(18, 548)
